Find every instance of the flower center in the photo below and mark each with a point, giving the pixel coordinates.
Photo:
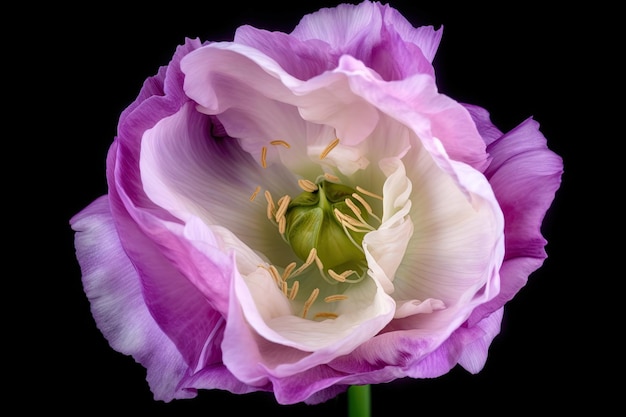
(324, 225)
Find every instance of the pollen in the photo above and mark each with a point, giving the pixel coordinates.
(309, 302)
(280, 143)
(369, 193)
(283, 204)
(325, 315)
(254, 194)
(307, 185)
(329, 148)
(330, 177)
(335, 297)
(294, 290)
(264, 157)
(288, 270)
(271, 207)
(309, 260)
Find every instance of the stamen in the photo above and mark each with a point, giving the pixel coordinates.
(319, 263)
(330, 177)
(336, 276)
(282, 225)
(336, 297)
(307, 185)
(309, 302)
(264, 157)
(274, 273)
(270, 205)
(369, 193)
(309, 260)
(288, 269)
(254, 194)
(325, 315)
(284, 285)
(357, 213)
(280, 142)
(352, 223)
(329, 148)
(366, 205)
(283, 203)
(294, 290)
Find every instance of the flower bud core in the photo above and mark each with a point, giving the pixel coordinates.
(319, 220)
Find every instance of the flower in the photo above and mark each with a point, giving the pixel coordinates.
(302, 212)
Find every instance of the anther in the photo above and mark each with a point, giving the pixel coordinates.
(285, 288)
(366, 205)
(309, 302)
(309, 260)
(264, 157)
(357, 213)
(341, 277)
(288, 270)
(283, 204)
(294, 290)
(329, 148)
(270, 205)
(369, 193)
(336, 297)
(281, 143)
(336, 276)
(325, 315)
(274, 273)
(282, 225)
(307, 185)
(330, 177)
(254, 194)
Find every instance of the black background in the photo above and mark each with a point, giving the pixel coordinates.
(84, 65)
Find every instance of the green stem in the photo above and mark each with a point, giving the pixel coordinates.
(359, 401)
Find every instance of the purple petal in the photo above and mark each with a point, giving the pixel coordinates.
(114, 290)
(525, 176)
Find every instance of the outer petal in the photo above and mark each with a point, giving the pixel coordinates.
(117, 304)
(525, 176)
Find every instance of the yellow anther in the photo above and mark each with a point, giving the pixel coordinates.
(285, 288)
(341, 277)
(330, 177)
(357, 213)
(294, 290)
(274, 273)
(288, 270)
(309, 260)
(283, 203)
(254, 194)
(281, 143)
(336, 276)
(329, 148)
(282, 225)
(336, 297)
(352, 223)
(319, 263)
(270, 205)
(309, 302)
(353, 206)
(369, 193)
(325, 315)
(264, 157)
(307, 185)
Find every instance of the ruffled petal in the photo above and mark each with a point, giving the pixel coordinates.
(190, 175)
(114, 290)
(525, 176)
(457, 246)
(261, 342)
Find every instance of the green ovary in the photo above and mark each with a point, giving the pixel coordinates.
(311, 222)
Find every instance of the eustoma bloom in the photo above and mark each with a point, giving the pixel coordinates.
(302, 212)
